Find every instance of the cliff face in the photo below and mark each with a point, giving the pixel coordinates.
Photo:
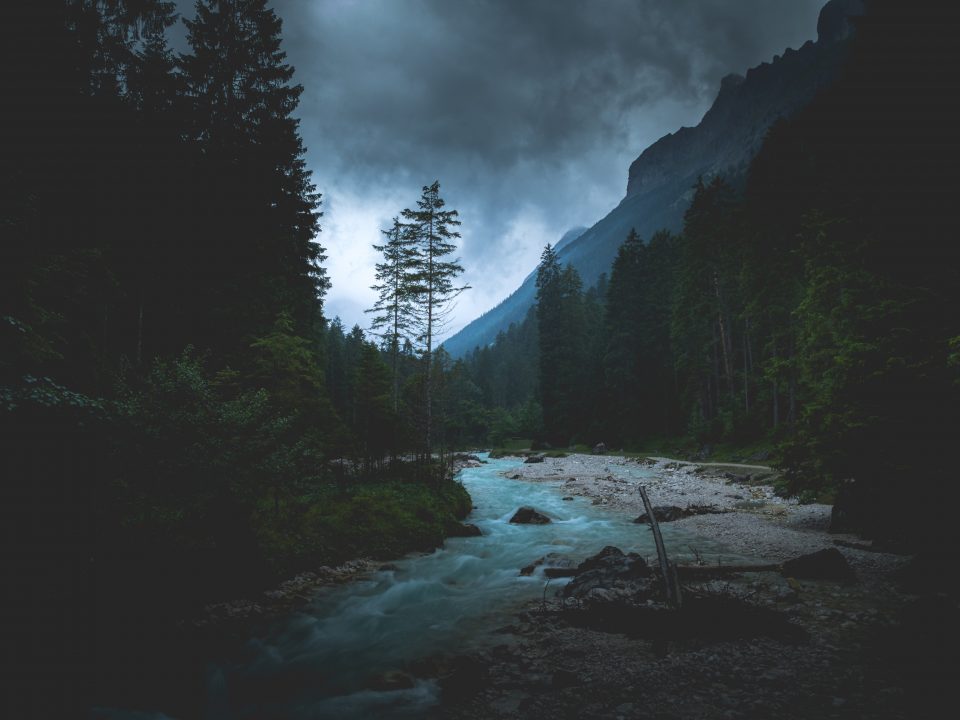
(731, 132)
(660, 181)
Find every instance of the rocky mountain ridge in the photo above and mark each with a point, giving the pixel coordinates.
(660, 181)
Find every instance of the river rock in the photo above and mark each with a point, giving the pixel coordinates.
(610, 569)
(826, 564)
(599, 449)
(464, 530)
(534, 459)
(529, 516)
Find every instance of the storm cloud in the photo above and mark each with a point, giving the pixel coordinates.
(529, 113)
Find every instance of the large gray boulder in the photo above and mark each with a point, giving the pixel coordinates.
(610, 569)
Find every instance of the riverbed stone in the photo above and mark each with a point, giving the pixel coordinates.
(609, 569)
(529, 516)
(464, 530)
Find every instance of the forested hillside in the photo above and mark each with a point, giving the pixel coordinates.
(180, 421)
(813, 310)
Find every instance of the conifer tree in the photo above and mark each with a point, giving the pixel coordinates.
(433, 279)
(395, 318)
(258, 222)
(562, 341)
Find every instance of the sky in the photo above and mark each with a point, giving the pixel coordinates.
(528, 112)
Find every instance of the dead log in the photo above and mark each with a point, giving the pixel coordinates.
(696, 572)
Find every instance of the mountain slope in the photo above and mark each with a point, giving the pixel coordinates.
(660, 181)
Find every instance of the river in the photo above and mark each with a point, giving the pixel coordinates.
(319, 663)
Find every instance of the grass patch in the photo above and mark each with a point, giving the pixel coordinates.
(381, 520)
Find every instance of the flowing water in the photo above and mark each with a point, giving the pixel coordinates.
(319, 663)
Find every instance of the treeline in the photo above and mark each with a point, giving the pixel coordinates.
(815, 309)
(168, 382)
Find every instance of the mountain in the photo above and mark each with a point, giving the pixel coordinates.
(660, 181)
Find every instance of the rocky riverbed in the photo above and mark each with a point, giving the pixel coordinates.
(868, 646)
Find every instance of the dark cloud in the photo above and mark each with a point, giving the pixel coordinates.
(528, 111)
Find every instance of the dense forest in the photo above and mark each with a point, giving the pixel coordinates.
(181, 423)
(809, 309)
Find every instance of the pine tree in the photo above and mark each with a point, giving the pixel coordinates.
(624, 341)
(395, 308)
(562, 342)
(257, 224)
(433, 279)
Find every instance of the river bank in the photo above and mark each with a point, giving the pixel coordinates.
(865, 647)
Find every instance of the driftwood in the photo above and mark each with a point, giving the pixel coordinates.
(667, 570)
(699, 571)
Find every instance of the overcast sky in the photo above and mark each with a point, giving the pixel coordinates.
(529, 112)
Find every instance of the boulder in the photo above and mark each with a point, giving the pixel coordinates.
(464, 530)
(599, 449)
(529, 516)
(602, 558)
(826, 564)
(534, 459)
(610, 569)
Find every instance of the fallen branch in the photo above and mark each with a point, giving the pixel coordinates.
(698, 571)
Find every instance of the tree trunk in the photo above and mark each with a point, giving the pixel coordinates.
(726, 342)
(746, 368)
(792, 414)
(140, 331)
(776, 405)
(429, 378)
(715, 399)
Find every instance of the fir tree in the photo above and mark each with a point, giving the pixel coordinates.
(256, 234)
(395, 308)
(433, 279)
(562, 343)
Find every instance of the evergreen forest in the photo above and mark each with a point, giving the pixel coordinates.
(805, 315)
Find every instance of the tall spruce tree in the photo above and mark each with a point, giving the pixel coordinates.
(395, 308)
(256, 228)
(624, 340)
(562, 341)
(433, 279)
